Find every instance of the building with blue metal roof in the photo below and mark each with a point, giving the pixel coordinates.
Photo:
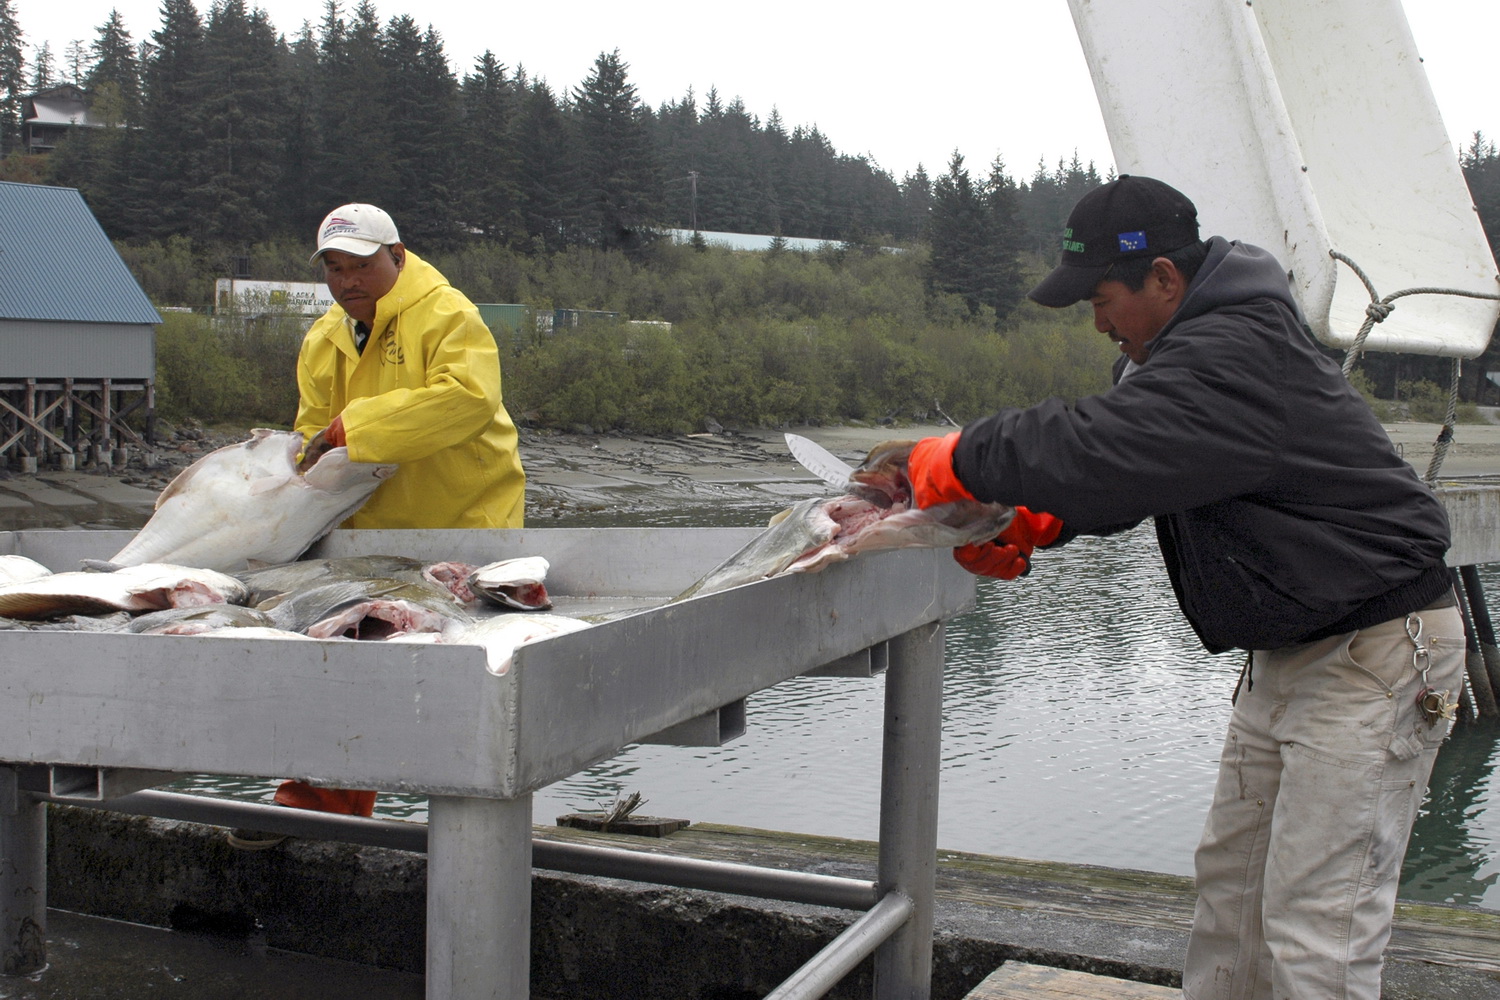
(77, 333)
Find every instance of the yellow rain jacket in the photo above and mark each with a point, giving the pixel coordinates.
(425, 395)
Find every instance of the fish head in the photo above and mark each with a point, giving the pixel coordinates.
(335, 473)
(884, 472)
(272, 451)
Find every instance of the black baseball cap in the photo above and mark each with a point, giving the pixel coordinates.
(1128, 217)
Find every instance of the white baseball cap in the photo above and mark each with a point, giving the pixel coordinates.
(356, 229)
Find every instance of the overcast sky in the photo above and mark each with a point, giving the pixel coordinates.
(907, 86)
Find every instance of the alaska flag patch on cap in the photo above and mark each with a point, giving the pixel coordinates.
(1133, 241)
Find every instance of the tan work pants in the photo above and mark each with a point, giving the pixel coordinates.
(1325, 764)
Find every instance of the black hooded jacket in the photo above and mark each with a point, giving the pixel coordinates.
(1283, 511)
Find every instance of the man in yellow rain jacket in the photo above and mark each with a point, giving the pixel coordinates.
(403, 371)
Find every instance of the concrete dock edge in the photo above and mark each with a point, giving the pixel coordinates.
(600, 939)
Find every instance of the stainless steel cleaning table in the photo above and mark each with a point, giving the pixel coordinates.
(93, 716)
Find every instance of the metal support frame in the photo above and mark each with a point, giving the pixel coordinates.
(480, 855)
(23, 878)
(478, 910)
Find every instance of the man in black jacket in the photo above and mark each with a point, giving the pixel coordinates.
(1289, 527)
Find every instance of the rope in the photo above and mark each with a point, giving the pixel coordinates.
(1376, 312)
(1445, 436)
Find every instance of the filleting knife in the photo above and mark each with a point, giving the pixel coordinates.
(820, 461)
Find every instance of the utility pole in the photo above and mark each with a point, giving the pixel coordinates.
(693, 177)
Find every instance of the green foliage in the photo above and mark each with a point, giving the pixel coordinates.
(196, 374)
(228, 368)
(787, 339)
(1420, 400)
(172, 273)
(756, 339)
(976, 240)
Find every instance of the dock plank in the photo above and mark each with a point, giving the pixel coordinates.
(1022, 981)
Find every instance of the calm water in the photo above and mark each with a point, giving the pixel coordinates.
(1082, 723)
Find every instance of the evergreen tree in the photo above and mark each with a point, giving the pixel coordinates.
(1480, 161)
(618, 164)
(421, 101)
(171, 117)
(353, 123)
(43, 68)
(678, 142)
(774, 143)
(1004, 281)
(12, 79)
(75, 55)
(964, 259)
(916, 203)
(488, 164)
(98, 161)
(242, 126)
(114, 79)
(548, 183)
(809, 177)
(303, 203)
(729, 188)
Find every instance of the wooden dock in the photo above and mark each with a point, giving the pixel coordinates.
(1022, 981)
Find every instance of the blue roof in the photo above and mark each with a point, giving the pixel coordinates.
(57, 264)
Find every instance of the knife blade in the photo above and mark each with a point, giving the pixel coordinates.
(820, 461)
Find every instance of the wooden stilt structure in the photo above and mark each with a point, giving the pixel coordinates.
(67, 423)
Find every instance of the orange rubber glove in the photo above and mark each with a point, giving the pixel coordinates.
(1003, 562)
(1009, 554)
(1030, 530)
(929, 466)
(326, 439)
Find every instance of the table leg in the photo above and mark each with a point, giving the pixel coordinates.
(478, 898)
(23, 879)
(912, 759)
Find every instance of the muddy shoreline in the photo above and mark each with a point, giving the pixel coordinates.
(572, 472)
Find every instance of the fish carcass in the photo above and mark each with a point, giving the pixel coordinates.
(518, 584)
(19, 569)
(247, 503)
(366, 609)
(197, 620)
(267, 582)
(149, 587)
(875, 514)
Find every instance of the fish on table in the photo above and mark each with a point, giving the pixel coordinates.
(148, 587)
(519, 584)
(875, 514)
(197, 620)
(247, 503)
(370, 608)
(266, 582)
(19, 569)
